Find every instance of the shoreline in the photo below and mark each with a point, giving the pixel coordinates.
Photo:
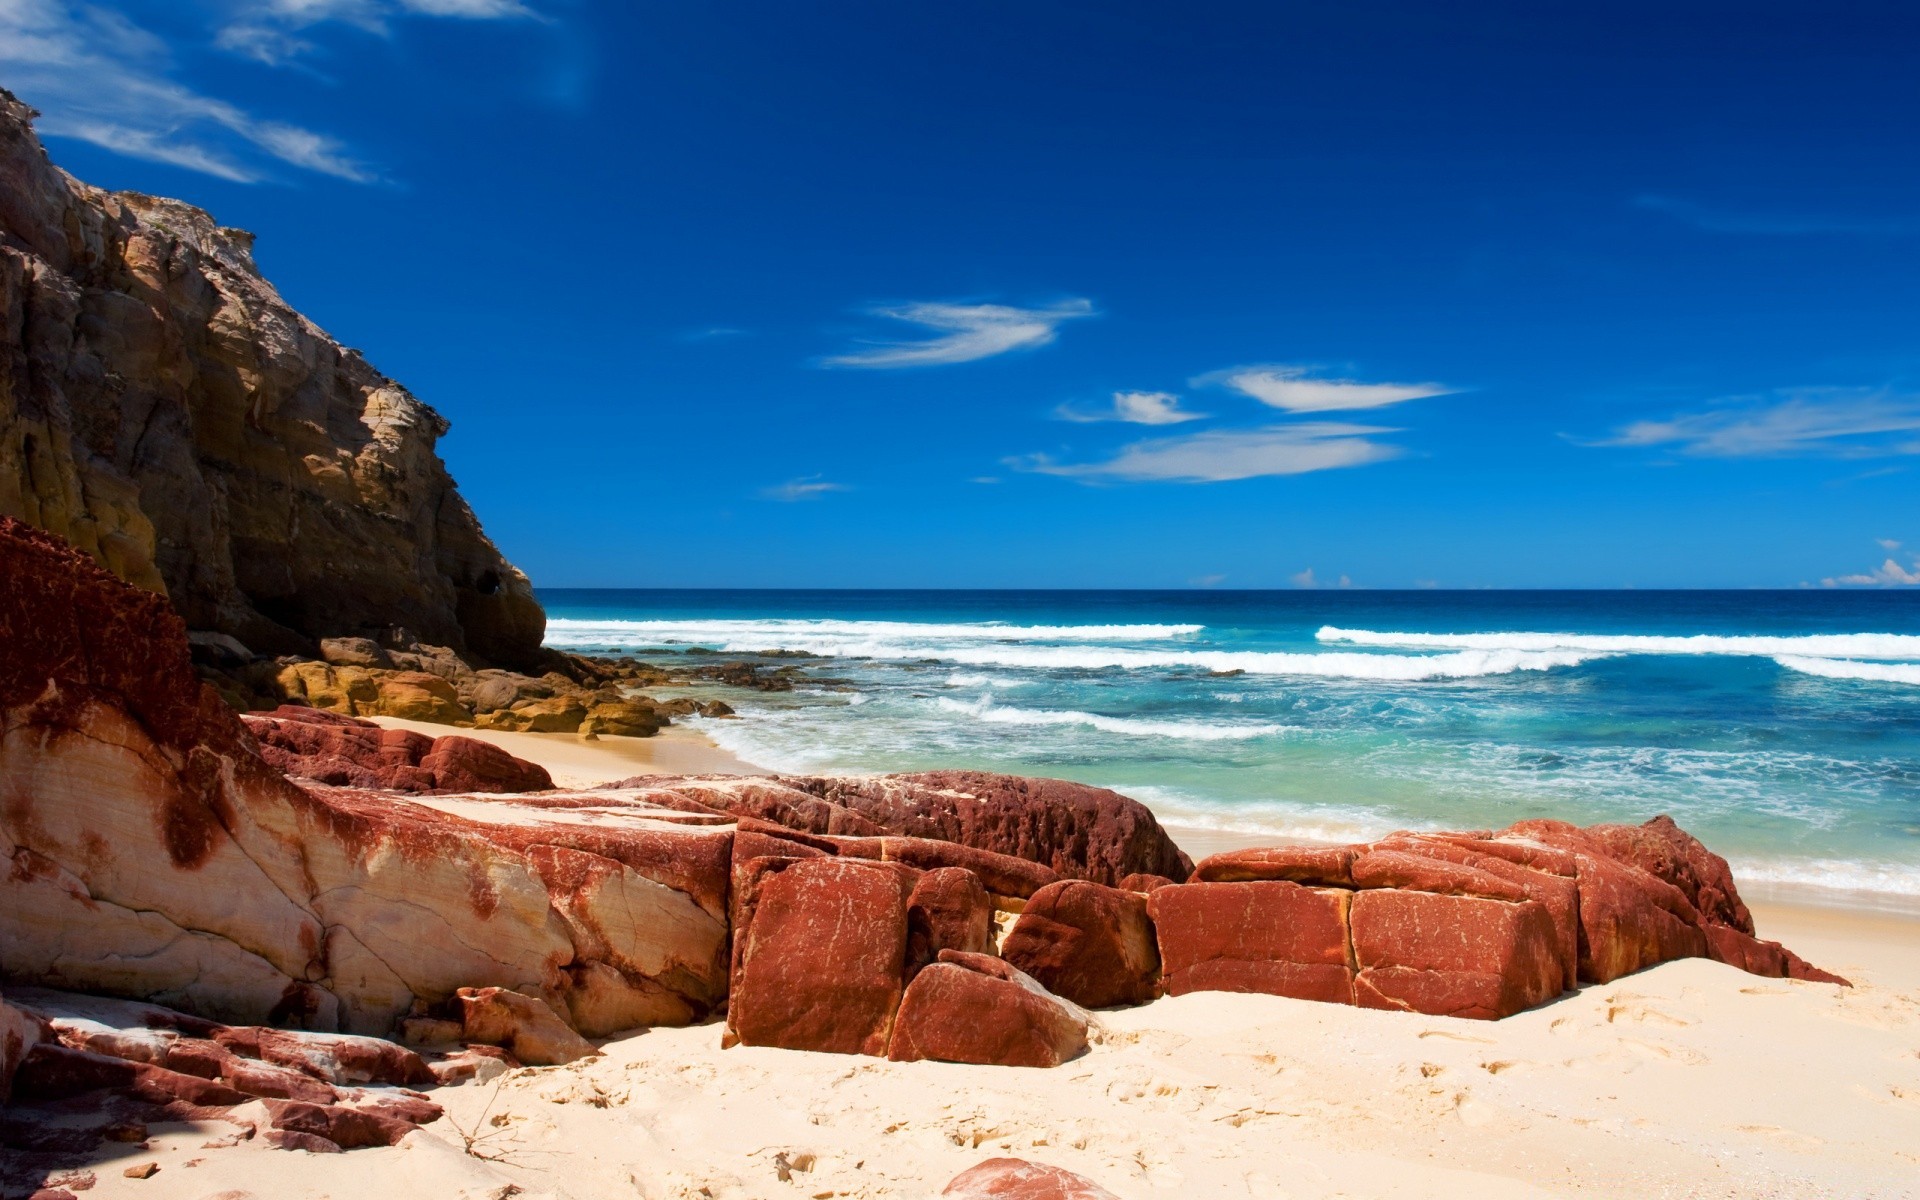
(685, 750)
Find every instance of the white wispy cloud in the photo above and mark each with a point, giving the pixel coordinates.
(1825, 422)
(98, 77)
(966, 332)
(270, 32)
(808, 487)
(1220, 455)
(1296, 389)
(1133, 408)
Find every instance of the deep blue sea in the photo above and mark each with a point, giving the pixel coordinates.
(1782, 727)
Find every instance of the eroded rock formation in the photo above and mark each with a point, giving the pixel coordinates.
(162, 408)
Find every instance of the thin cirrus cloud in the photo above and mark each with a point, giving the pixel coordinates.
(810, 487)
(1217, 456)
(1817, 423)
(1296, 389)
(97, 76)
(962, 333)
(1133, 408)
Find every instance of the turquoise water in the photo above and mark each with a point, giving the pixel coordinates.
(1782, 727)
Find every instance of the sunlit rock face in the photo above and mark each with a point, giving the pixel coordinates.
(163, 409)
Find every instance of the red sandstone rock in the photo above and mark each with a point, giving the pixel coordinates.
(1546, 879)
(1663, 849)
(1315, 866)
(1453, 955)
(154, 854)
(1018, 1179)
(948, 909)
(1143, 883)
(820, 961)
(1758, 957)
(1090, 944)
(1077, 831)
(975, 1008)
(1629, 918)
(347, 1128)
(1002, 874)
(1275, 937)
(523, 1026)
(348, 752)
(20, 1032)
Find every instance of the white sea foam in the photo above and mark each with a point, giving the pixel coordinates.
(1192, 731)
(746, 635)
(1842, 874)
(1846, 668)
(1465, 664)
(964, 680)
(1821, 645)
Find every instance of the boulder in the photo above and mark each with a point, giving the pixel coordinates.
(1092, 945)
(1316, 866)
(169, 414)
(330, 748)
(1018, 1179)
(1274, 936)
(975, 1008)
(1453, 955)
(820, 961)
(948, 909)
(523, 1026)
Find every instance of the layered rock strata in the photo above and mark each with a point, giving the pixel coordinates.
(162, 408)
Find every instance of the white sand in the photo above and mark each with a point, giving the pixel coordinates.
(1689, 1080)
(573, 763)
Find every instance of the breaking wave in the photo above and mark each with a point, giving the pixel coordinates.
(1846, 668)
(1817, 645)
(1193, 731)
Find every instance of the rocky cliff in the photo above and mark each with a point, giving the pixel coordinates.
(162, 408)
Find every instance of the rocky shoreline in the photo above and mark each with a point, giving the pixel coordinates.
(447, 898)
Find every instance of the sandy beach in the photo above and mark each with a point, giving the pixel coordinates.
(1692, 1079)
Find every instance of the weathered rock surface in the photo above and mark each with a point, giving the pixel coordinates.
(975, 1008)
(1064, 830)
(19, 1033)
(166, 411)
(821, 959)
(129, 1063)
(523, 1026)
(1018, 1179)
(948, 909)
(1092, 945)
(328, 748)
(152, 853)
(1475, 925)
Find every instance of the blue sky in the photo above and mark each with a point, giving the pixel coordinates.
(1048, 294)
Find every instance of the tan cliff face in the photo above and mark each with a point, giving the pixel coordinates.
(162, 408)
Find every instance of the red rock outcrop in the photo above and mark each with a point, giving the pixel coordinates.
(821, 958)
(1018, 1179)
(949, 909)
(1092, 945)
(152, 853)
(975, 1008)
(308, 743)
(1459, 924)
(164, 409)
(523, 1026)
(126, 1062)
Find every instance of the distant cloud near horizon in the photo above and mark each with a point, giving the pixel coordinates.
(807, 487)
(1295, 389)
(1888, 574)
(1134, 408)
(1820, 422)
(969, 332)
(98, 77)
(1218, 456)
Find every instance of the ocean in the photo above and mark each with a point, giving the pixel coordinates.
(1783, 728)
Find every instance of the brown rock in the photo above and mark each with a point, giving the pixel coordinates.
(1092, 945)
(1275, 937)
(19, 1032)
(1315, 866)
(1144, 883)
(1018, 1179)
(460, 764)
(523, 1026)
(1453, 955)
(975, 1008)
(169, 414)
(820, 963)
(948, 909)
(347, 1128)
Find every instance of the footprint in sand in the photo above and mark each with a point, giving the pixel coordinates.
(1455, 1037)
(1495, 1068)
(1784, 1137)
(1632, 1008)
(1662, 1052)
